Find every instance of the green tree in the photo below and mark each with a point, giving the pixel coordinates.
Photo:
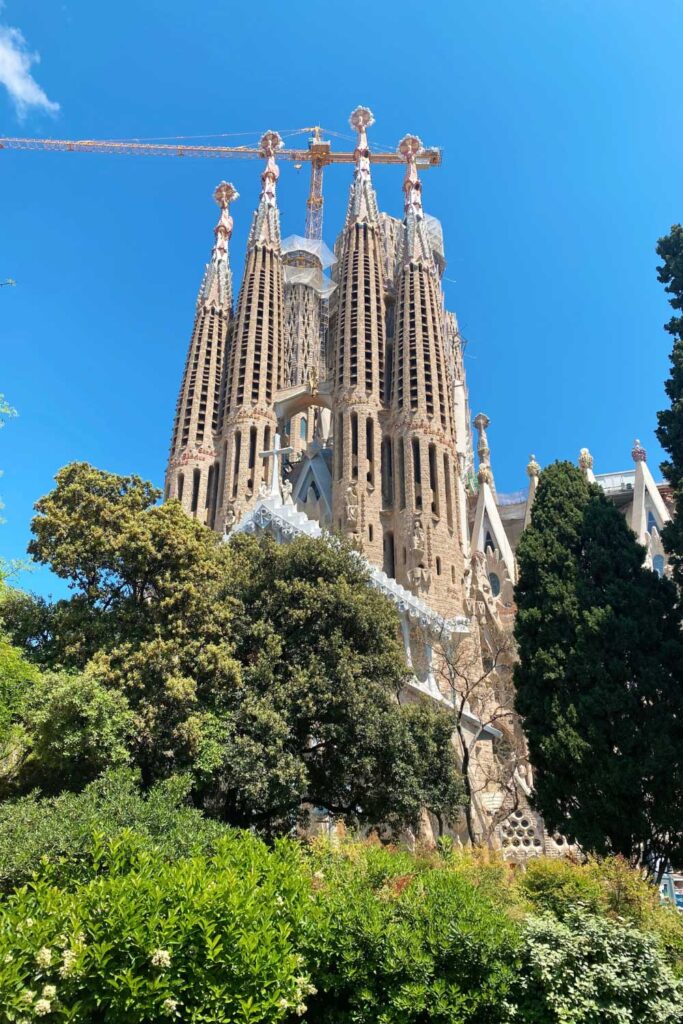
(670, 429)
(598, 680)
(270, 672)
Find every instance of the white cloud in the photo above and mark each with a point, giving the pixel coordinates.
(16, 61)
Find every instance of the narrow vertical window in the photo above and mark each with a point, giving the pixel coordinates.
(417, 473)
(389, 565)
(196, 477)
(433, 480)
(181, 486)
(236, 464)
(401, 472)
(387, 474)
(447, 488)
(354, 445)
(339, 444)
(266, 448)
(370, 449)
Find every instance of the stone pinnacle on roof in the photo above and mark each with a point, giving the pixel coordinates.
(533, 468)
(638, 453)
(409, 147)
(217, 283)
(224, 194)
(362, 201)
(266, 227)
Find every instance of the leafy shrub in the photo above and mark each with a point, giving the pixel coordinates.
(591, 970)
(396, 938)
(203, 939)
(61, 829)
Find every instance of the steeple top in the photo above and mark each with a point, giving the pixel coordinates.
(638, 453)
(409, 147)
(269, 144)
(265, 229)
(361, 119)
(224, 194)
(533, 469)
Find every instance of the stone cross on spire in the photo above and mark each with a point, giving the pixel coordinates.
(409, 147)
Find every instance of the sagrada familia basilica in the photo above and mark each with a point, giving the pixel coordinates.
(333, 401)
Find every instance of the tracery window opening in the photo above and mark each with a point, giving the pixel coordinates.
(236, 463)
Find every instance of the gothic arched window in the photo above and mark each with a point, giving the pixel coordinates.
(494, 581)
(651, 522)
(658, 565)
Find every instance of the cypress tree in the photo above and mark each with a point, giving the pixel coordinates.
(598, 680)
(670, 430)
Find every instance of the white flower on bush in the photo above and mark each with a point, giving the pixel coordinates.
(49, 991)
(29, 922)
(44, 957)
(42, 1008)
(169, 1006)
(28, 996)
(300, 1009)
(68, 963)
(161, 958)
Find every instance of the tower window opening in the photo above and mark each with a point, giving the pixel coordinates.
(354, 445)
(438, 566)
(209, 486)
(651, 522)
(236, 464)
(196, 477)
(447, 487)
(658, 565)
(181, 486)
(488, 543)
(433, 480)
(417, 473)
(339, 445)
(494, 582)
(370, 449)
(303, 428)
(389, 557)
(452, 574)
(387, 474)
(401, 474)
(370, 533)
(266, 448)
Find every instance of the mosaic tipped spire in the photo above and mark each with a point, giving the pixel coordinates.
(217, 283)
(362, 201)
(638, 453)
(266, 227)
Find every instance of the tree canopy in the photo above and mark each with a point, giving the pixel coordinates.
(268, 672)
(670, 429)
(598, 681)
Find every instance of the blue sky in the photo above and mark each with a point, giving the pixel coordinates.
(560, 122)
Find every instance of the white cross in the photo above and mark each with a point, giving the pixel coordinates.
(276, 453)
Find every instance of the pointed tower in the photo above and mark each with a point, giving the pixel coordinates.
(254, 366)
(427, 523)
(358, 364)
(193, 466)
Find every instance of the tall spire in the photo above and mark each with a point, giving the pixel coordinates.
(265, 229)
(192, 472)
(217, 283)
(362, 201)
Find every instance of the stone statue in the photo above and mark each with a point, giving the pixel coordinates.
(287, 492)
(418, 538)
(231, 516)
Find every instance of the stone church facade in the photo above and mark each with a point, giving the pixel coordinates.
(332, 398)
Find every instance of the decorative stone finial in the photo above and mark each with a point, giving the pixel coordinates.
(360, 120)
(481, 422)
(224, 194)
(269, 144)
(533, 469)
(638, 453)
(409, 147)
(585, 459)
(485, 476)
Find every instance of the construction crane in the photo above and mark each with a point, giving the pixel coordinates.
(319, 154)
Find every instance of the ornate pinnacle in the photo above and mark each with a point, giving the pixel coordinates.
(585, 459)
(224, 194)
(360, 120)
(409, 147)
(269, 144)
(533, 469)
(481, 422)
(638, 453)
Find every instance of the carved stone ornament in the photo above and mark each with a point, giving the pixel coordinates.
(352, 508)
(418, 540)
(585, 459)
(638, 453)
(231, 517)
(533, 469)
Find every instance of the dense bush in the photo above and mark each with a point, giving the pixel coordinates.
(351, 933)
(60, 830)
